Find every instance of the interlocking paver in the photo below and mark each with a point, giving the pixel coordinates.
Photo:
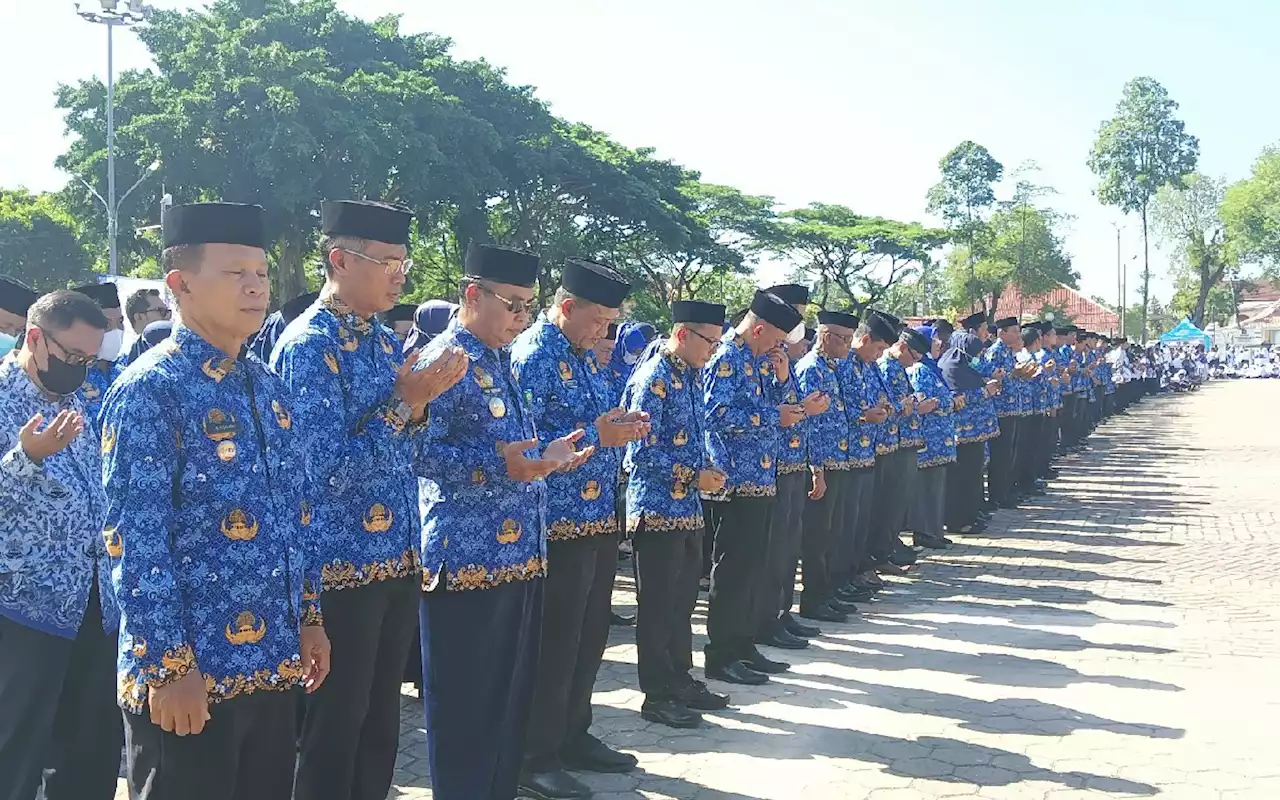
(1116, 638)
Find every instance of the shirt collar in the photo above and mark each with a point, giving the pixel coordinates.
(214, 363)
(348, 317)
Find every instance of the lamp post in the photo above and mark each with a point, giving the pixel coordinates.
(113, 13)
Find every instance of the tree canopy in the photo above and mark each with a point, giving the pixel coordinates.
(1251, 213)
(1188, 222)
(40, 242)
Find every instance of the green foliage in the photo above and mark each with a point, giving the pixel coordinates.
(1142, 148)
(1024, 251)
(1251, 212)
(39, 241)
(966, 192)
(1188, 223)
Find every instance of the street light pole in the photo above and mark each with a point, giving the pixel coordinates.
(1119, 281)
(111, 14)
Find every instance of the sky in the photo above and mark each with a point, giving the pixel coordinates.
(838, 101)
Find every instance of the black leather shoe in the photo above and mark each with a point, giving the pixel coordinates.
(671, 713)
(784, 640)
(697, 697)
(903, 556)
(824, 613)
(761, 663)
(592, 755)
(842, 606)
(932, 542)
(621, 620)
(795, 627)
(558, 785)
(869, 578)
(737, 672)
(851, 594)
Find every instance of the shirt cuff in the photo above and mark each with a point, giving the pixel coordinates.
(18, 464)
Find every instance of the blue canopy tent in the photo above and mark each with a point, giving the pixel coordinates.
(1185, 332)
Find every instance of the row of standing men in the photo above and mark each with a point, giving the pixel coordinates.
(249, 530)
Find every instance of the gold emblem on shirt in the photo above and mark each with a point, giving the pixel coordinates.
(755, 419)
(139, 647)
(795, 441)
(724, 370)
(347, 340)
(305, 517)
(483, 379)
(282, 415)
(378, 519)
(566, 374)
(766, 461)
(108, 439)
(219, 426)
(497, 407)
(681, 438)
(248, 629)
(676, 383)
(510, 532)
(659, 387)
(226, 451)
(865, 441)
(239, 526)
(746, 369)
(331, 361)
(220, 370)
(477, 476)
(91, 392)
(591, 491)
(115, 545)
(386, 346)
(679, 491)
(591, 365)
(844, 445)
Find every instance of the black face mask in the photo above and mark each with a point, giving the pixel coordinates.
(60, 377)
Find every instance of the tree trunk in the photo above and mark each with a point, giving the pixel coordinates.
(1146, 273)
(1202, 298)
(291, 279)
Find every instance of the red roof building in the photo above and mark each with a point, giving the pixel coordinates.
(1082, 311)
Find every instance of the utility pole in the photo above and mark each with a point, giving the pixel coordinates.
(1120, 309)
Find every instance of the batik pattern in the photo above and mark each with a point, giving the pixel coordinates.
(828, 434)
(742, 424)
(938, 427)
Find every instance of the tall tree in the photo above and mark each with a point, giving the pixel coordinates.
(1025, 252)
(965, 195)
(1141, 149)
(1251, 212)
(1188, 223)
(39, 241)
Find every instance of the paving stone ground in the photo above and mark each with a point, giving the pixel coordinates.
(1118, 638)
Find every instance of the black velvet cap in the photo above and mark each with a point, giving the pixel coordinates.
(215, 223)
(992, 329)
(881, 328)
(1062, 331)
(365, 219)
(104, 294)
(501, 265)
(915, 340)
(612, 333)
(1030, 335)
(697, 312)
(1007, 322)
(973, 321)
(15, 297)
(810, 334)
(891, 319)
(840, 318)
(594, 282)
(793, 294)
(402, 312)
(290, 310)
(775, 311)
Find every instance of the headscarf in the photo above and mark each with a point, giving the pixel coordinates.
(429, 321)
(633, 338)
(929, 334)
(152, 335)
(955, 366)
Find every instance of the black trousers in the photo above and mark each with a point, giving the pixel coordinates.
(786, 531)
(479, 656)
(1048, 443)
(1027, 450)
(1002, 468)
(1108, 405)
(894, 478)
(859, 508)
(737, 576)
(60, 727)
(351, 731)
(1067, 417)
(823, 525)
(245, 752)
(964, 486)
(668, 564)
(577, 596)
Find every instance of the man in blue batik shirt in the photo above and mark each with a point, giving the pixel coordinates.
(566, 391)
(668, 468)
(484, 549)
(1000, 363)
(743, 431)
(107, 367)
(1031, 425)
(60, 731)
(356, 408)
(208, 530)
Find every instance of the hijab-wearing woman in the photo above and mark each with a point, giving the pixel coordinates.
(925, 514)
(975, 423)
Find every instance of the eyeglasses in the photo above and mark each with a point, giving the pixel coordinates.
(161, 311)
(393, 266)
(707, 339)
(73, 358)
(840, 337)
(514, 306)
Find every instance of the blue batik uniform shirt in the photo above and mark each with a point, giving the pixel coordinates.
(937, 428)
(742, 423)
(51, 541)
(866, 439)
(480, 528)
(209, 523)
(793, 452)
(662, 490)
(899, 386)
(97, 381)
(566, 390)
(1009, 403)
(828, 434)
(358, 440)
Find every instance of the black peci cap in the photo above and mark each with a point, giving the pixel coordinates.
(810, 334)
(104, 294)
(366, 219)
(401, 312)
(594, 282)
(880, 327)
(992, 329)
(974, 321)
(697, 312)
(777, 312)
(612, 333)
(1006, 322)
(292, 309)
(842, 319)
(794, 294)
(215, 223)
(16, 297)
(501, 265)
(915, 340)
(1030, 335)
